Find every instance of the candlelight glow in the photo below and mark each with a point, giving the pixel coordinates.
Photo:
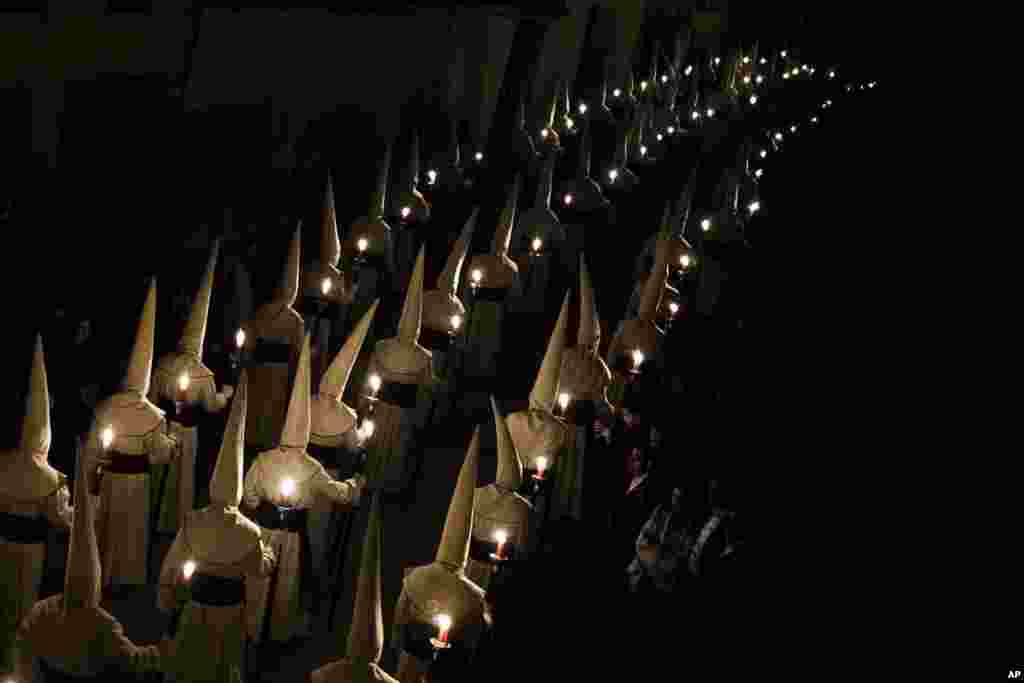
(287, 487)
(705, 224)
(567, 199)
(785, 76)
(432, 176)
(828, 103)
(456, 321)
(643, 86)
(188, 569)
(536, 244)
(763, 61)
(479, 156)
(871, 84)
(684, 260)
(569, 123)
(583, 108)
(406, 211)
(792, 129)
(718, 60)
(613, 174)
(695, 116)
(814, 119)
(831, 74)
(664, 78)
(617, 93)
(501, 536)
(671, 130)
(366, 431)
(673, 308)
(759, 80)
(778, 136)
(758, 173)
(710, 112)
(240, 338)
(375, 382)
(362, 243)
(444, 624)
(796, 71)
(784, 53)
(805, 67)
(638, 358)
(660, 137)
(107, 437)
(544, 133)
(477, 275)
(563, 401)
(542, 464)
(746, 60)
(643, 150)
(689, 70)
(753, 99)
(746, 80)
(754, 206)
(764, 153)
(325, 286)
(183, 383)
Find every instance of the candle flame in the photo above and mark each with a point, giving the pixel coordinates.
(456, 321)
(764, 153)
(432, 176)
(537, 243)
(784, 53)
(785, 76)
(792, 129)
(240, 338)
(710, 112)
(746, 60)
(643, 86)
(501, 536)
(754, 207)
(643, 150)
(107, 437)
(406, 211)
(188, 569)
(583, 108)
(814, 119)
(660, 137)
(689, 70)
(684, 260)
(617, 93)
(753, 99)
(695, 115)
(613, 174)
(362, 243)
(871, 84)
(567, 199)
(479, 156)
(759, 79)
(287, 487)
(778, 136)
(375, 383)
(758, 173)
(664, 78)
(544, 133)
(325, 286)
(569, 123)
(563, 400)
(673, 307)
(638, 358)
(366, 431)
(477, 275)
(705, 224)
(718, 60)
(746, 80)
(763, 60)
(542, 464)
(671, 130)
(183, 383)
(444, 623)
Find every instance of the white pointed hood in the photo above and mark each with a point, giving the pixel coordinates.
(448, 280)
(503, 233)
(510, 468)
(545, 388)
(365, 641)
(226, 482)
(295, 433)
(330, 243)
(36, 432)
(412, 309)
(140, 365)
(335, 380)
(589, 334)
(288, 289)
(453, 551)
(194, 333)
(83, 575)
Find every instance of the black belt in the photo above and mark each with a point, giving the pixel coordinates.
(481, 550)
(187, 415)
(581, 412)
(434, 340)
(270, 516)
(122, 463)
(52, 675)
(328, 456)
(217, 591)
(21, 529)
(493, 294)
(271, 352)
(399, 394)
(314, 306)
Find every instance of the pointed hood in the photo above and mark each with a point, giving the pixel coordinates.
(589, 334)
(412, 309)
(545, 183)
(545, 388)
(380, 190)
(654, 288)
(448, 280)
(195, 329)
(335, 380)
(83, 576)
(288, 289)
(665, 230)
(503, 233)
(684, 204)
(583, 161)
(295, 433)
(453, 550)
(35, 427)
(226, 482)
(140, 365)
(412, 168)
(330, 243)
(510, 467)
(365, 641)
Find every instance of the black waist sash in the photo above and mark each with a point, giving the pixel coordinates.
(481, 550)
(53, 675)
(580, 412)
(493, 294)
(21, 529)
(217, 591)
(434, 339)
(270, 516)
(328, 456)
(312, 306)
(271, 352)
(187, 415)
(399, 394)
(122, 463)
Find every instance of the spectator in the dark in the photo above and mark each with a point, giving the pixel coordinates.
(632, 509)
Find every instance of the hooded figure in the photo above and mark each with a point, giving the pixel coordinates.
(33, 497)
(213, 553)
(585, 378)
(404, 368)
(370, 242)
(365, 642)
(335, 441)
(616, 175)
(497, 508)
(539, 237)
(141, 439)
(68, 635)
(239, 285)
(174, 484)
(680, 257)
(408, 210)
(442, 588)
(276, 332)
(547, 139)
(498, 276)
(536, 432)
(280, 488)
(326, 291)
(525, 149)
(580, 193)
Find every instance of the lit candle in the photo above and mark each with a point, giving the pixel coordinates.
(479, 156)
(796, 72)
(778, 136)
(582, 108)
(746, 80)
(183, 382)
(240, 339)
(871, 84)
(325, 286)
(569, 123)
(695, 115)
(828, 103)
(673, 308)
(785, 76)
(684, 260)
(643, 86)
(643, 150)
(542, 464)
(814, 119)
(746, 60)
(374, 383)
(362, 244)
(705, 224)
(753, 99)
(710, 112)
(444, 624)
(671, 130)
(188, 569)
(754, 207)
(477, 277)
(763, 60)
(567, 199)
(831, 74)
(456, 321)
(689, 70)
(758, 173)
(617, 93)
(759, 80)
(660, 137)
(792, 129)
(107, 437)
(784, 53)
(406, 211)
(287, 488)
(664, 78)
(544, 133)
(613, 174)
(366, 431)
(805, 67)
(563, 401)
(764, 153)
(536, 244)
(718, 60)
(431, 176)
(501, 537)
(638, 358)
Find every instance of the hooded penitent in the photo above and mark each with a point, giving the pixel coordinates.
(365, 641)
(405, 203)
(276, 332)
(69, 634)
(442, 587)
(641, 332)
(526, 150)
(580, 192)
(498, 508)
(321, 279)
(175, 483)
(33, 497)
(540, 240)
(442, 302)
(535, 430)
(224, 547)
(403, 367)
(547, 138)
(280, 488)
(678, 255)
(498, 276)
(140, 440)
(372, 227)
